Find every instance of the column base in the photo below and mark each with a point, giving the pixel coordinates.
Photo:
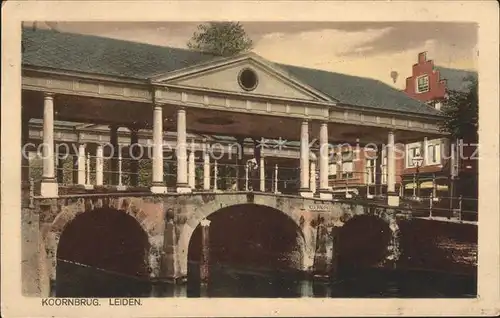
(326, 194)
(183, 188)
(306, 193)
(49, 188)
(121, 188)
(392, 200)
(88, 186)
(158, 189)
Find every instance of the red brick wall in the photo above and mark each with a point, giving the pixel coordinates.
(437, 87)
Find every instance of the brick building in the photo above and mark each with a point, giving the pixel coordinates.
(431, 84)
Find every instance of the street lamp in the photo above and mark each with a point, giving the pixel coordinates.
(417, 160)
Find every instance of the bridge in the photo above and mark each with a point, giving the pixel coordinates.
(143, 190)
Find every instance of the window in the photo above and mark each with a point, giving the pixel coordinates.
(347, 165)
(413, 152)
(332, 169)
(423, 84)
(247, 79)
(370, 171)
(347, 169)
(434, 154)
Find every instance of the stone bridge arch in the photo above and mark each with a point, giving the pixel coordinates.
(151, 212)
(59, 214)
(215, 203)
(386, 218)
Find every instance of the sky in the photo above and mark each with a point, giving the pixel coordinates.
(368, 49)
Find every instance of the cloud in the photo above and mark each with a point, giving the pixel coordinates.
(410, 35)
(353, 53)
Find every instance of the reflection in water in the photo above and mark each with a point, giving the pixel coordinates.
(241, 282)
(232, 282)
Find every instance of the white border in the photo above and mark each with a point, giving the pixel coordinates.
(483, 12)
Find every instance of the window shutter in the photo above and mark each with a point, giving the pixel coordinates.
(437, 149)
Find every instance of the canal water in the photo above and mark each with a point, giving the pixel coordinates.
(240, 282)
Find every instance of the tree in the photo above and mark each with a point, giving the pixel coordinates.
(221, 38)
(461, 113)
(461, 122)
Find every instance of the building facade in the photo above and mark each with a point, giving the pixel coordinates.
(432, 166)
(245, 97)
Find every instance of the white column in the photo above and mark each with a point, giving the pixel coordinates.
(87, 170)
(191, 168)
(158, 185)
(324, 152)
(392, 197)
(81, 164)
(312, 177)
(262, 175)
(206, 170)
(424, 152)
(304, 160)
(246, 176)
(182, 169)
(99, 166)
(215, 175)
(49, 186)
(276, 179)
(120, 185)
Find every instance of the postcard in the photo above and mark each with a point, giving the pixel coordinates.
(265, 158)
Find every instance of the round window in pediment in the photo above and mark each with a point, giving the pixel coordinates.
(248, 79)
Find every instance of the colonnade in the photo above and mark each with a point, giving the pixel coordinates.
(185, 162)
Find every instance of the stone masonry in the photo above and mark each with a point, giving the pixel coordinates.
(170, 220)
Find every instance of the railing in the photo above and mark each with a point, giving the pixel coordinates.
(459, 208)
(277, 178)
(222, 176)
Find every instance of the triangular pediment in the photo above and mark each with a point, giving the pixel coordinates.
(244, 74)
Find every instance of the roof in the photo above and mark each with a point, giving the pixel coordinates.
(360, 91)
(105, 56)
(456, 80)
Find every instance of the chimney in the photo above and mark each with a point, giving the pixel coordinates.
(422, 57)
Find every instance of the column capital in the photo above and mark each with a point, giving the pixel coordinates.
(48, 95)
(157, 105)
